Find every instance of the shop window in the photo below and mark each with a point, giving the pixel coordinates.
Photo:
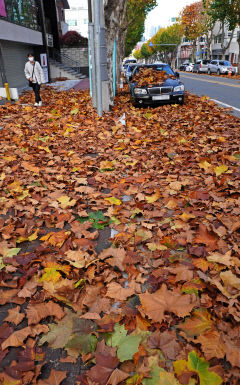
(23, 12)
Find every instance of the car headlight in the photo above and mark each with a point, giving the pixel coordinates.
(140, 91)
(179, 88)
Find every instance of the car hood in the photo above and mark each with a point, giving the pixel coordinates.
(168, 83)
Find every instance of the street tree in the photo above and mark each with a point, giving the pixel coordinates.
(119, 17)
(172, 36)
(208, 24)
(192, 22)
(227, 12)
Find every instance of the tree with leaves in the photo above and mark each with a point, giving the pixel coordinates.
(119, 17)
(171, 35)
(227, 12)
(192, 22)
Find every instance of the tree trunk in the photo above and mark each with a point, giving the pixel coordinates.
(114, 15)
(223, 46)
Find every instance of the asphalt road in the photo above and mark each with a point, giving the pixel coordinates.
(225, 91)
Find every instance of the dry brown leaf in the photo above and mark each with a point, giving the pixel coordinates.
(164, 300)
(15, 316)
(18, 337)
(37, 312)
(116, 291)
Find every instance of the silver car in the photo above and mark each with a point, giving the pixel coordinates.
(221, 67)
(201, 66)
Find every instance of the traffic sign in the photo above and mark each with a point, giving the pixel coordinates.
(198, 53)
(150, 44)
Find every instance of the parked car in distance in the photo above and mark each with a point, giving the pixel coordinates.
(171, 91)
(201, 66)
(127, 62)
(189, 67)
(221, 67)
(183, 66)
(130, 69)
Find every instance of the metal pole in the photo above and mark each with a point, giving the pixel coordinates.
(97, 23)
(44, 34)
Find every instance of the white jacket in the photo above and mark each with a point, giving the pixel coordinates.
(37, 75)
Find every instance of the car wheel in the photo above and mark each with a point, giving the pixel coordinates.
(218, 72)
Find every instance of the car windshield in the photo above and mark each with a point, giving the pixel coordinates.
(158, 67)
(131, 68)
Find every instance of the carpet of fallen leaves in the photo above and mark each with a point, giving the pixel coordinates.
(119, 243)
(150, 77)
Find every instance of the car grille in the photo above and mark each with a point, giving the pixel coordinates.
(159, 90)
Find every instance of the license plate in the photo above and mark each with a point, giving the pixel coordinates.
(161, 97)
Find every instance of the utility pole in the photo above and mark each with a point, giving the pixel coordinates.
(98, 57)
(97, 30)
(44, 34)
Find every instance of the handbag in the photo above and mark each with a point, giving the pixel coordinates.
(29, 81)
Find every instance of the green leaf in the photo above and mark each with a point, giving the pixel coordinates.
(155, 374)
(75, 111)
(83, 343)
(200, 366)
(128, 347)
(127, 344)
(237, 156)
(83, 219)
(1, 263)
(12, 252)
(59, 333)
(114, 338)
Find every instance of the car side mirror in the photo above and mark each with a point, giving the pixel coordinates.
(177, 74)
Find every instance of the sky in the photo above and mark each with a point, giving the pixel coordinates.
(165, 10)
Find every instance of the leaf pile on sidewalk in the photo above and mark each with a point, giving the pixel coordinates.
(119, 243)
(150, 77)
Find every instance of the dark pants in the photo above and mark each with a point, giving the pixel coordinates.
(36, 89)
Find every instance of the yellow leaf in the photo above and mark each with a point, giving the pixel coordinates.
(180, 366)
(45, 149)
(220, 170)
(30, 238)
(2, 176)
(105, 165)
(156, 246)
(15, 186)
(154, 197)
(186, 217)
(172, 204)
(56, 238)
(114, 201)
(65, 201)
(10, 158)
(205, 165)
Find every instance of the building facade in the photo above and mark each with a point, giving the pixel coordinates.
(216, 52)
(77, 16)
(232, 51)
(22, 23)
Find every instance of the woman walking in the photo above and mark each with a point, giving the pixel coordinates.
(35, 76)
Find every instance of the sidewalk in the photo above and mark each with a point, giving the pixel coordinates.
(82, 85)
(119, 242)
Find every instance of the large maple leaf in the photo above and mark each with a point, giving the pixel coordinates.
(164, 300)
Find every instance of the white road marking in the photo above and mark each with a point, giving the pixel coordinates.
(226, 105)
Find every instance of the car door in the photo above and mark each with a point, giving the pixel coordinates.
(214, 66)
(205, 65)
